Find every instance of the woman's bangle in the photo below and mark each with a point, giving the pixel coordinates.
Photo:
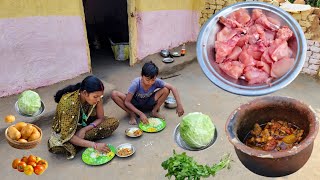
(92, 124)
(94, 145)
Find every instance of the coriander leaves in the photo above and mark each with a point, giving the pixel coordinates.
(182, 167)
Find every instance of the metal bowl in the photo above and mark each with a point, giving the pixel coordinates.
(184, 145)
(170, 103)
(126, 145)
(175, 54)
(40, 111)
(164, 53)
(206, 54)
(130, 132)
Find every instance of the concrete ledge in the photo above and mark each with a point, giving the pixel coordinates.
(46, 94)
(179, 62)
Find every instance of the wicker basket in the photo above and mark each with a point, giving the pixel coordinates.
(21, 145)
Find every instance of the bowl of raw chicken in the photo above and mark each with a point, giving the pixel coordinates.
(251, 48)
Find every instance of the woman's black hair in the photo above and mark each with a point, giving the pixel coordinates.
(149, 70)
(89, 84)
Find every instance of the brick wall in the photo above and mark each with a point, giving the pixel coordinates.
(312, 63)
(308, 20)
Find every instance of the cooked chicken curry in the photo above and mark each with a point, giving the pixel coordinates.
(274, 136)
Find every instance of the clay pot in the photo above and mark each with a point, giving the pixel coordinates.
(261, 111)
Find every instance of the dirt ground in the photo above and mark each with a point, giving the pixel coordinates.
(198, 94)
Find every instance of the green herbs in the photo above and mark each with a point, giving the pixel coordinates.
(183, 167)
(313, 3)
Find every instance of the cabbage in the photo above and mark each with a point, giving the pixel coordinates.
(29, 102)
(196, 130)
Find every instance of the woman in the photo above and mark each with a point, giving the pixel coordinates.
(79, 119)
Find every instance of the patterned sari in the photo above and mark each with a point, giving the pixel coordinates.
(69, 119)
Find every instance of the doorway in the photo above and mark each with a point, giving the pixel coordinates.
(106, 21)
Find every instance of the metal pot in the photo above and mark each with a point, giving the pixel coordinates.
(262, 110)
(170, 103)
(206, 54)
(164, 53)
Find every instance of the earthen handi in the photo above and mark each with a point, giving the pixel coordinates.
(253, 47)
(274, 136)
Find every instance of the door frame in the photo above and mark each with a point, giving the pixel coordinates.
(133, 31)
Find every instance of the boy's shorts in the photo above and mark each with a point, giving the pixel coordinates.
(148, 105)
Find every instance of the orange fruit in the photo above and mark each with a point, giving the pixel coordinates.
(10, 119)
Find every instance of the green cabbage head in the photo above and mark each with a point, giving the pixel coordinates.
(196, 129)
(29, 102)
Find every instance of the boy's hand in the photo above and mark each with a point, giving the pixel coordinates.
(179, 110)
(144, 119)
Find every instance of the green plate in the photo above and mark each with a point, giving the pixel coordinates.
(155, 125)
(93, 157)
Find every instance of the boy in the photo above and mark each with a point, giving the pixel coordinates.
(146, 93)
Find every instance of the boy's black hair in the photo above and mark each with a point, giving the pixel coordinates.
(150, 70)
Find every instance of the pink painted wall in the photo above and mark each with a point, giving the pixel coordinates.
(165, 29)
(40, 51)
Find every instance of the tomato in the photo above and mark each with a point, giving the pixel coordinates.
(21, 166)
(32, 158)
(15, 163)
(28, 170)
(44, 163)
(33, 164)
(39, 169)
(38, 159)
(24, 159)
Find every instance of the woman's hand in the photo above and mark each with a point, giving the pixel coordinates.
(144, 118)
(81, 133)
(102, 147)
(180, 110)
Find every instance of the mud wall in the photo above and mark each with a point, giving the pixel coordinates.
(41, 43)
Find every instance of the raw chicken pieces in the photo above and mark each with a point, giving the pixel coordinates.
(253, 47)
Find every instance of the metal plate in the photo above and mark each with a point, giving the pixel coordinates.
(182, 144)
(167, 60)
(41, 110)
(130, 132)
(126, 145)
